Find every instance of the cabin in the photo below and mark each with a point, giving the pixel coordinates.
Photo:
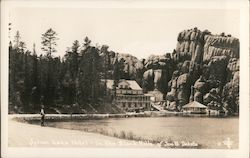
(129, 95)
(194, 108)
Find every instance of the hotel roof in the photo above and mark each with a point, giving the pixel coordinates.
(132, 84)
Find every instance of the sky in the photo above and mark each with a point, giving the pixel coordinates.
(137, 31)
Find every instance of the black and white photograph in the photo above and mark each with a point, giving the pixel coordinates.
(91, 78)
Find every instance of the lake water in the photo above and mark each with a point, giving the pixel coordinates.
(209, 132)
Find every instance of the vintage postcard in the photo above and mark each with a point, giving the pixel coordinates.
(125, 78)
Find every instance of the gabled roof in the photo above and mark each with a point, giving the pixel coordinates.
(132, 84)
(194, 104)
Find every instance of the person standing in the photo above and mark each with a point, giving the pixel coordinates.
(42, 115)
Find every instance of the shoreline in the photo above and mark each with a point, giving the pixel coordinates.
(69, 117)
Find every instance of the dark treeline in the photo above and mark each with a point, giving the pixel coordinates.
(73, 80)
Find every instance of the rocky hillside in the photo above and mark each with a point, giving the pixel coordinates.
(203, 67)
(208, 64)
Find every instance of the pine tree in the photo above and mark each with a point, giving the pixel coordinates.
(86, 43)
(117, 71)
(49, 41)
(69, 81)
(35, 84)
(48, 46)
(105, 53)
(17, 39)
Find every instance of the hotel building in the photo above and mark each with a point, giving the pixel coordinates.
(129, 95)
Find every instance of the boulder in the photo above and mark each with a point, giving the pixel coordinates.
(232, 68)
(148, 74)
(159, 70)
(212, 96)
(192, 48)
(172, 106)
(157, 75)
(171, 96)
(190, 45)
(233, 65)
(148, 80)
(231, 94)
(214, 105)
(198, 96)
(180, 89)
(182, 56)
(198, 51)
(156, 79)
(217, 68)
(131, 63)
(174, 83)
(156, 62)
(183, 89)
(175, 74)
(185, 67)
(200, 85)
(183, 79)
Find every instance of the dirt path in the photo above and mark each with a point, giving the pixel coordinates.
(27, 135)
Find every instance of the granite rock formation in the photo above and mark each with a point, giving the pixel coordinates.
(158, 72)
(220, 45)
(210, 64)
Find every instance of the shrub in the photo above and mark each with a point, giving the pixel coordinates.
(122, 135)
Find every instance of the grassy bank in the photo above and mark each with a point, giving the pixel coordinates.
(159, 141)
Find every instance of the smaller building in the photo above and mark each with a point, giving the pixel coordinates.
(195, 108)
(156, 95)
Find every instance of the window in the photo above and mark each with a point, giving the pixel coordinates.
(118, 98)
(117, 91)
(129, 105)
(130, 98)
